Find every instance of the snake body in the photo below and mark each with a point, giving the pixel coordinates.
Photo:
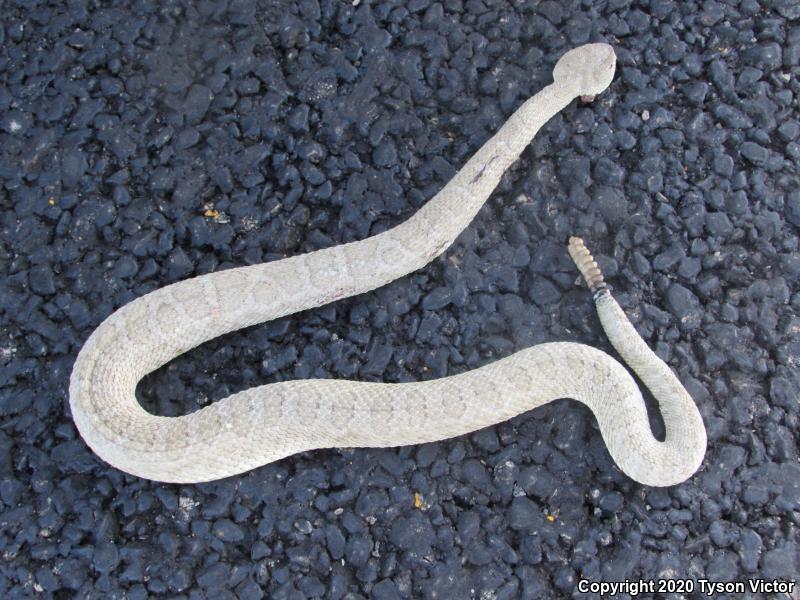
(266, 423)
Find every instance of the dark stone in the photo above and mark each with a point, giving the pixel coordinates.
(525, 515)
(766, 56)
(611, 203)
(105, 558)
(336, 541)
(543, 292)
(755, 153)
(42, 280)
(666, 260)
(793, 208)
(385, 154)
(781, 562)
(298, 118)
(723, 567)
(357, 550)
(438, 298)
(227, 531)
(789, 130)
(611, 501)
(684, 305)
(413, 533)
(750, 547)
(197, 101)
(386, 590)
(214, 577)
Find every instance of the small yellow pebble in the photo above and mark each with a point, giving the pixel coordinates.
(210, 212)
(51, 201)
(551, 518)
(418, 503)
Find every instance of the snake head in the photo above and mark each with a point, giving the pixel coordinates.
(587, 69)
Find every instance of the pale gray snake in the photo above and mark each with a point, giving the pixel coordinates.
(267, 423)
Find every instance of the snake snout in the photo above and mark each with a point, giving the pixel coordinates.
(588, 68)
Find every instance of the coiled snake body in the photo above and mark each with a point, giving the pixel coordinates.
(270, 422)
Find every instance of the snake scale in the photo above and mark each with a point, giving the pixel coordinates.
(266, 423)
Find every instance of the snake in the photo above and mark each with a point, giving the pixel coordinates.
(270, 422)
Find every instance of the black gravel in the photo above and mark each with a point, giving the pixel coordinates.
(144, 144)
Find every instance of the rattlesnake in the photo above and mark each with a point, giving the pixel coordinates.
(270, 422)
